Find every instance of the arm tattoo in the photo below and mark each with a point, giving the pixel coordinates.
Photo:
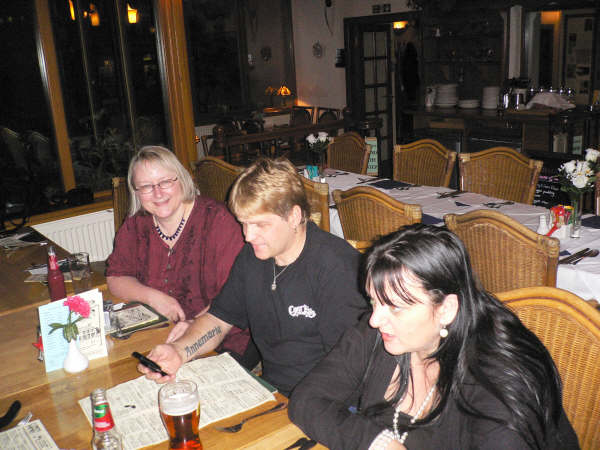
(191, 349)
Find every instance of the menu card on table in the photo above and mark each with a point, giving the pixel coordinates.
(225, 389)
(91, 330)
(32, 436)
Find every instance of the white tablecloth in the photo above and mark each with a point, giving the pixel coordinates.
(582, 279)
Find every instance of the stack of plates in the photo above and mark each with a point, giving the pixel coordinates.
(468, 104)
(490, 97)
(446, 96)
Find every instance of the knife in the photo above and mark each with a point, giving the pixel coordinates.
(371, 180)
(574, 256)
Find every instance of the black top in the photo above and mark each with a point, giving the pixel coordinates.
(323, 412)
(316, 300)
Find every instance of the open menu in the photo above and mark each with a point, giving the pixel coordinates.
(32, 436)
(225, 389)
(127, 318)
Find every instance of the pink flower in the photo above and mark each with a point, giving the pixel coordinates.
(78, 305)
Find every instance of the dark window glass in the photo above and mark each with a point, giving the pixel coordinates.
(112, 104)
(29, 166)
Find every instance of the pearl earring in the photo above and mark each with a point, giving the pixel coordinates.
(443, 332)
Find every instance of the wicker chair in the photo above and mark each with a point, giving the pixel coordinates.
(500, 172)
(348, 152)
(504, 253)
(366, 213)
(570, 329)
(214, 177)
(425, 161)
(318, 199)
(361, 246)
(597, 195)
(120, 200)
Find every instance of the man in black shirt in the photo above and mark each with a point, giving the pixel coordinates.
(293, 285)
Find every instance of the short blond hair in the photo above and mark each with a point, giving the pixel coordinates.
(167, 159)
(268, 186)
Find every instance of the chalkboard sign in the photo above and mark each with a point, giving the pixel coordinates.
(548, 193)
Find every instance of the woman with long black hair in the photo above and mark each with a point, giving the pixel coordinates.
(439, 364)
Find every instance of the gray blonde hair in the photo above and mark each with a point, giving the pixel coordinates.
(167, 159)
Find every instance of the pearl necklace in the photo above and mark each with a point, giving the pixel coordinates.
(413, 419)
(174, 235)
(275, 276)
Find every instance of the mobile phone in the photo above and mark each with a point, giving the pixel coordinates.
(149, 363)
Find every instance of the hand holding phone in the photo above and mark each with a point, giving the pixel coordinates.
(149, 364)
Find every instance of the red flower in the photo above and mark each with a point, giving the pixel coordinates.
(78, 305)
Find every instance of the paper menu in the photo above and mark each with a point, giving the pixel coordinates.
(225, 389)
(91, 330)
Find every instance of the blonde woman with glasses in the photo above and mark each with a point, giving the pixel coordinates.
(176, 248)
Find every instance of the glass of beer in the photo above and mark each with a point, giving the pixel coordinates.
(179, 406)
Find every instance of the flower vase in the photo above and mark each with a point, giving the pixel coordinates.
(575, 219)
(75, 361)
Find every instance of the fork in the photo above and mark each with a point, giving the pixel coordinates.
(25, 420)
(237, 427)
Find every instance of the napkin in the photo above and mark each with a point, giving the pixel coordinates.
(430, 220)
(591, 222)
(389, 184)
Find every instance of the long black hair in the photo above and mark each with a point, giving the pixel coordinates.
(486, 341)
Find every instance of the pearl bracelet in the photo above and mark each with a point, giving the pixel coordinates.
(382, 440)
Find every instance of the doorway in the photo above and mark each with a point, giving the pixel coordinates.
(383, 74)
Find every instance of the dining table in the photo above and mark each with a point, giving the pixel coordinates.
(15, 293)
(582, 279)
(53, 397)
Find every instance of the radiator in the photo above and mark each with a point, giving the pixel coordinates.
(92, 233)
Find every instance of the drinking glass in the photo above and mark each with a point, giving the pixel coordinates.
(79, 265)
(179, 406)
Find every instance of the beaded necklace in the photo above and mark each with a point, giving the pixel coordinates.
(413, 419)
(174, 235)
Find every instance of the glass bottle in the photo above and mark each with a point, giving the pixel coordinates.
(56, 280)
(106, 436)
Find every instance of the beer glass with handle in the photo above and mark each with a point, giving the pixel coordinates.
(179, 406)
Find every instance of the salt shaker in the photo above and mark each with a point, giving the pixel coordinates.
(543, 225)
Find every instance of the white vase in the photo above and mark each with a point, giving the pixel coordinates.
(75, 360)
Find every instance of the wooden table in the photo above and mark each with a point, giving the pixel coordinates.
(53, 397)
(15, 294)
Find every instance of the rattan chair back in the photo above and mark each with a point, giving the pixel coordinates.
(569, 327)
(505, 254)
(500, 172)
(425, 162)
(318, 199)
(361, 246)
(348, 152)
(214, 177)
(120, 199)
(366, 213)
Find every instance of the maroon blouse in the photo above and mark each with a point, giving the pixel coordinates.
(194, 270)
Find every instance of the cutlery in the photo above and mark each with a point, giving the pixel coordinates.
(449, 194)
(237, 427)
(25, 420)
(591, 254)
(574, 256)
(369, 180)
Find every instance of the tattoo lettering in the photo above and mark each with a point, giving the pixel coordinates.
(192, 349)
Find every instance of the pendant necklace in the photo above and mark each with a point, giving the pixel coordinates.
(174, 235)
(413, 419)
(277, 275)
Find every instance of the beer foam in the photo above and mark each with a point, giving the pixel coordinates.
(179, 404)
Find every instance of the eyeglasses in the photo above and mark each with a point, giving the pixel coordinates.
(149, 188)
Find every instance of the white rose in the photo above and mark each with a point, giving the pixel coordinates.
(569, 167)
(591, 155)
(323, 137)
(580, 181)
(311, 139)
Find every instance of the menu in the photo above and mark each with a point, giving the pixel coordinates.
(225, 389)
(32, 436)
